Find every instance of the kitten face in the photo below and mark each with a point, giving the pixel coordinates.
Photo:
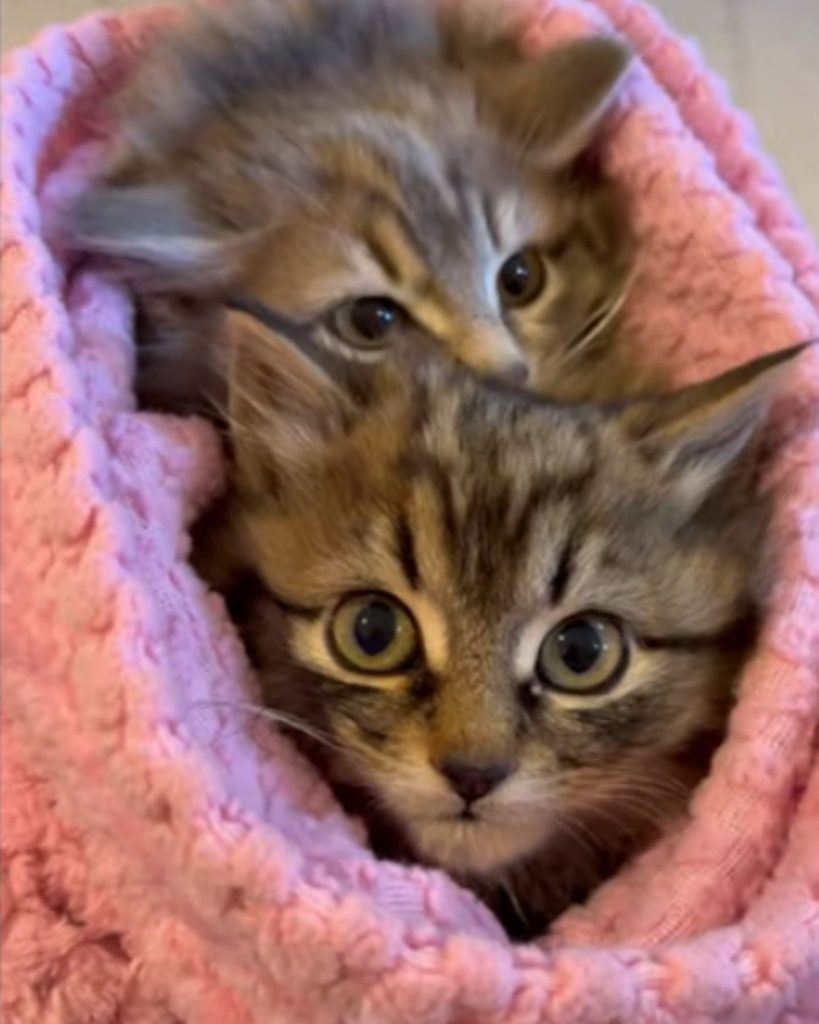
(489, 591)
(385, 168)
(507, 619)
(506, 269)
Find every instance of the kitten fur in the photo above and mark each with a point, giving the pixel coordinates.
(493, 516)
(305, 153)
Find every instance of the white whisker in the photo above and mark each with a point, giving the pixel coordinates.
(279, 718)
(598, 321)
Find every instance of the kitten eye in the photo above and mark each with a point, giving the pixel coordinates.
(368, 323)
(522, 278)
(582, 655)
(374, 633)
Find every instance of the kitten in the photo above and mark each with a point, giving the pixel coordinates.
(371, 164)
(506, 630)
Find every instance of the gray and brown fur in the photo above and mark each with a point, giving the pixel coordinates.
(493, 515)
(305, 152)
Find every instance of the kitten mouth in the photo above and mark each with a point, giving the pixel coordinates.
(469, 844)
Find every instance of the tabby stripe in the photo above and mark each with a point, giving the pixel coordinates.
(737, 633)
(299, 333)
(563, 572)
(299, 610)
(546, 492)
(491, 222)
(405, 549)
(558, 249)
(381, 254)
(387, 231)
(248, 588)
(443, 486)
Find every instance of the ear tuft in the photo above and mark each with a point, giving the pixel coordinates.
(284, 407)
(154, 236)
(696, 436)
(554, 103)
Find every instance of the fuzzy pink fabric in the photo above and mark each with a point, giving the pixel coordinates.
(165, 862)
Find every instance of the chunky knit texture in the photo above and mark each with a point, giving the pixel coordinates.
(163, 861)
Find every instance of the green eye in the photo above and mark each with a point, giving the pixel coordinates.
(368, 323)
(522, 278)
(374, 634)
(583, 655)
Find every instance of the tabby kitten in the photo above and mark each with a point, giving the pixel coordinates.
(506, 630)
(373, 165)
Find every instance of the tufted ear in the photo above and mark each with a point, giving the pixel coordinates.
(553, 103)
(696, 436)
(154, 235)
(289, 401)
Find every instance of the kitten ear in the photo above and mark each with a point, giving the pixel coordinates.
(154, 235)
(696, 436)
(553, 103)
(286, 405)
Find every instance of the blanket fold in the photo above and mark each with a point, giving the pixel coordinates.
(166, 861)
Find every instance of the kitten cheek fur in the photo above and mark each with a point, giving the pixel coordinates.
(336, 118)
(495, 509)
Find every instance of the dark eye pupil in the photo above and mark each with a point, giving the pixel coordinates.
(522, 278)
(375, 628)
(373, 318)
(516, 275)
(580, 646)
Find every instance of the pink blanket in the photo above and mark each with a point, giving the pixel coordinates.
(163, 860)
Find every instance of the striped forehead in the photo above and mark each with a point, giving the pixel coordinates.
(490, 504)
(444, 201)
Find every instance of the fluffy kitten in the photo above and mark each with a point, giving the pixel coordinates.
(506, 630)
(371, 164)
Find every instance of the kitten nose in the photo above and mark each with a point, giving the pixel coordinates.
(491, 350)
(473, 779)
(515, 374)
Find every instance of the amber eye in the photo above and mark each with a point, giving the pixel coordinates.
(374, 634)
(583, 655)
(368, 323)
(522, 278)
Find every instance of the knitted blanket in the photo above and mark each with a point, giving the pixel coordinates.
(165, 861)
